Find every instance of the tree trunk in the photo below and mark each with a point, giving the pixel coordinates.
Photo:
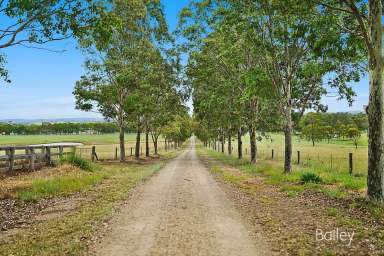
(155, 145)
(222, 143)
(229, 144)
(375, 182)
(137, 149)
(288, 141)
(313, 142)
(122, 144)
(252, 139)
(146, 143)
(239, 144)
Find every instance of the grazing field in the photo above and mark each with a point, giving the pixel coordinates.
(87, 139)
(106, 144)
(324, 156)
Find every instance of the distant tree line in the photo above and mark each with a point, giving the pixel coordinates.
(328, 126)
(58, 128)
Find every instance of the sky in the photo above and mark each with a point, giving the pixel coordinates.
(43, 81)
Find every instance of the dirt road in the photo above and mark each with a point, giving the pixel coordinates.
(180, 211)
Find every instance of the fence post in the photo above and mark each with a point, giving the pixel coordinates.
(298, 157)
(48, 155)
(116, 153)
(350, 163)
(11, 154)
(331, 160)
(94, 155)
(32, 159)
(272, 153)
(61, 151)
(131, 151)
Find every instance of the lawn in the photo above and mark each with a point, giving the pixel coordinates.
(87, 139)
(334, 184)
(106, 144)
(326, 156)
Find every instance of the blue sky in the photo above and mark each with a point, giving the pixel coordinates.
(42, 81)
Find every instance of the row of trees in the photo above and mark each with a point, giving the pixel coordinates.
(57, 128)
(131, 70)
(132, 76)
(314, 127)
(336, 120)
(259, 65)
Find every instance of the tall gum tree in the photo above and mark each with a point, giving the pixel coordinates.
(361, 21)
(34, 24)
(286, 38)
(116, 67)
(285, 35)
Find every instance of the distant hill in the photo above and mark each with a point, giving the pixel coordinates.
(53, 120)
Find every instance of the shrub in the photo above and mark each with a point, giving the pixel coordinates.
(310, 177)
(77, 161)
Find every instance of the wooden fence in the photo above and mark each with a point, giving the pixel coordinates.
(32, 156)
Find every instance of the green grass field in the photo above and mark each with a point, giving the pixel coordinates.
(333, 155)
(97, 139)
(106, 144)
(329, 156)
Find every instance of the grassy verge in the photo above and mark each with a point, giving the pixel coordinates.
(60, 186)
(69, 233)
(73, 174)
(334, 184)
(275, 200)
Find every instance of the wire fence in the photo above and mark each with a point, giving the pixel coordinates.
(342, 159)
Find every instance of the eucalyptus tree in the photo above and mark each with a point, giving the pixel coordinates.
(34, 23)
(210, 94)
(283, 38)
(362, 26)
(116, 67)
(180, 128)
(286, 37)
(161, 99)
(230, 87)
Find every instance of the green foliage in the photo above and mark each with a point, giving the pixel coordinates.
(132, 79)
(79, 162)
(253, 72)
(34, 23)
(58, 186)
(354, 134)
(313, 130)
(310, 177)
(329, 126)
(57, 128)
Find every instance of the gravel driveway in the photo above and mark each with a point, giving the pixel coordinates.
(180, 211)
